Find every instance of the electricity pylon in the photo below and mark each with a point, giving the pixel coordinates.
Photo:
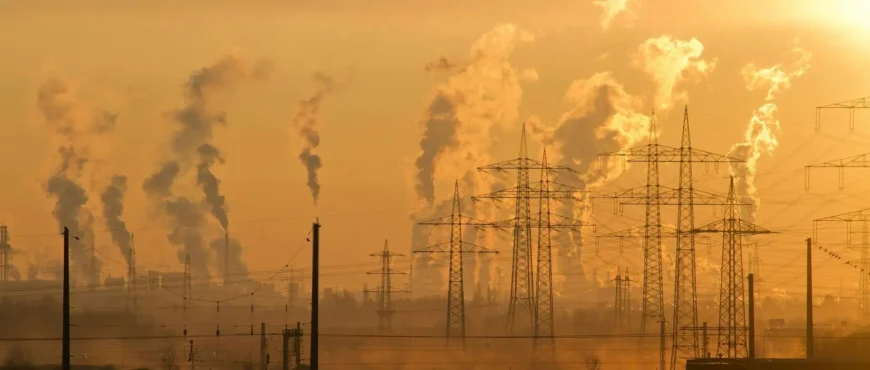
(544, 343)
(385, 289)
(858, 161)
(521, 303)
(851, 105)
(652, 196)
(685, 197)
(455, 247)
(732, 307)
(862, 216)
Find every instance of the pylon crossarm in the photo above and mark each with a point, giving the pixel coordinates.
(669, 154)
(664, 153)
(856, 103)
(466, 248)
(741, 227)
(638, 232)
(854, 161)
(556, 191)
(449, 220)
(849, 216)
(671, 196)
(639, 192)
(524, 164)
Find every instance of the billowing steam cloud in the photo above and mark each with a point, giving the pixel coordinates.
(669, 62)
(306, 122)
(192, 147)
(113, 208)
(77, 126)
(611, 9)
(457, 124)
(761, 135)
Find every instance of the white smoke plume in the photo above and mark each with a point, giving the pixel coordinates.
(611, 9)
(306, 122)
(762, 134)
(77, 125)
(484, 93)
(669, 62)
(192, 147)
(603, 118)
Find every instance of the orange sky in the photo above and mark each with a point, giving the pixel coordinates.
(133, 59)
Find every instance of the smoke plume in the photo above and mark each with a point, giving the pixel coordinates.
(306, 122)
(670, 62)
(761, 136)
(463, 110)
(76, 125)
(236, 266)
(611, 9)
(457, 126)
(210, 184)
(192, 147)
(113, 208)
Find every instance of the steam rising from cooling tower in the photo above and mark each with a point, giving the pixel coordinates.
(306, 122)
(611, 9)
(192, 147)
(606, 118)
(113, 208)
(77, 126)
(457, 123)
(761, 135)
(669, 62)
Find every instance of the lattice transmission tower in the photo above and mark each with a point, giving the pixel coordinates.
(522, 293)
(385, 289)
(456, 248)
(732, 301)
(851, 106)
(653, 195)
(862, 216)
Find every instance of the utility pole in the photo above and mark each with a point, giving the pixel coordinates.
(191, 356)
(315, 295)
(751, 316)
(264, 363)
(456, 248)
(732, 314)
(385, 299)
(810, 338)
(5, 253)
(65, 353)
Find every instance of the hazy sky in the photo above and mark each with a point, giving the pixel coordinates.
(134, 59)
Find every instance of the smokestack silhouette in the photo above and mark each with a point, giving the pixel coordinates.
(226, 257)
(113, 208)
(306, 122)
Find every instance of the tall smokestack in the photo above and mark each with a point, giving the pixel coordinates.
(226, 258)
